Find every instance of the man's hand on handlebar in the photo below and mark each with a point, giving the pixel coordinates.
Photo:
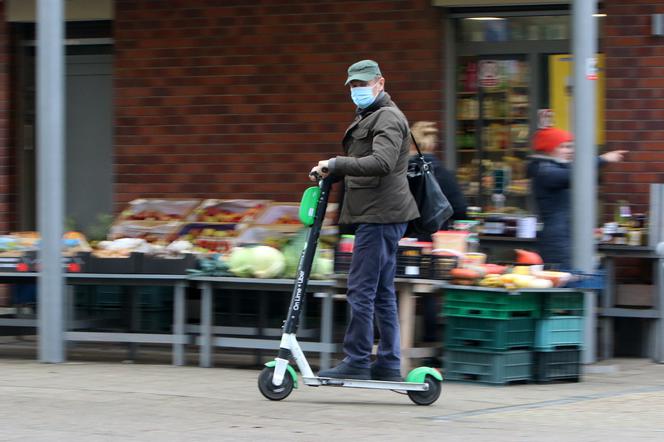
(320, 171)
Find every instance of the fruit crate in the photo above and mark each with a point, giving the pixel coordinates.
(558, 331)
(210, 238)
(490, 303)
(557, 365)
(412, 262)
(168, 265)
(441, 265)
(490, 334)
(19, 263)
(487, 366)
(562, 303)
(280, 214)
(158, 209)
(233, 211)
(342, 262)
(96, 264)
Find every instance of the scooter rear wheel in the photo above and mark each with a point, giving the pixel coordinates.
(427, 397)
(271, 391)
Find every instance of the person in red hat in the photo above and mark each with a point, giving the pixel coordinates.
(550, 174)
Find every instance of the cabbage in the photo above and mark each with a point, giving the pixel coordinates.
(267, 262)
(323, 267)
(239, 262)
(258, 261)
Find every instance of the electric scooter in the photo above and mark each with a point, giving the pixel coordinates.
(277, 380)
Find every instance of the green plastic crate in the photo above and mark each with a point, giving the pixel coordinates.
(488, 304)
(487, 367)
(155, 297)
(107, 296)
(559, 365)
(490, 334)
(156, 320)
(558, 331)
(562, 304)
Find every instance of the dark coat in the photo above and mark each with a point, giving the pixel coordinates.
(374, 168)
(550, 183)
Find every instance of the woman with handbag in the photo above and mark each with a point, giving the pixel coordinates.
(425, 134)
(425, 140)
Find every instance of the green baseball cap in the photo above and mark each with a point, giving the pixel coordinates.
(364, 70)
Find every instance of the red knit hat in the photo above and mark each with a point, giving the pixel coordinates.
(546, 140)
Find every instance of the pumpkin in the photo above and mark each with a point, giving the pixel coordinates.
(527, 257)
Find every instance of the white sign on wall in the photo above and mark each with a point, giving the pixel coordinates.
(487, 73)
(544, 118)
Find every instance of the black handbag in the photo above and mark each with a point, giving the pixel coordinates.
(432, 203)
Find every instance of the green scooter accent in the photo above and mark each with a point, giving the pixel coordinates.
(308, 205)
(418, 374)
(291, 371)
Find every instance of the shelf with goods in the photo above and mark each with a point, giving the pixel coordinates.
(493, 131)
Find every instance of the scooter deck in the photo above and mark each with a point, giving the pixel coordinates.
(365, 383)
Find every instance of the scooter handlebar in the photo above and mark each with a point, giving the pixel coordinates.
(317, 175)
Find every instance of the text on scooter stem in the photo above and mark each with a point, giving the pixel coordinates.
(298, 293)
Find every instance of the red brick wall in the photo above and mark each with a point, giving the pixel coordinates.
(241, 99)
(635, 100)
(6, 153)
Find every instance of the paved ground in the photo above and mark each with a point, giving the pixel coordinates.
(95, 401)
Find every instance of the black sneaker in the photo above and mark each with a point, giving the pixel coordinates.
(379, 373)
(345, 371)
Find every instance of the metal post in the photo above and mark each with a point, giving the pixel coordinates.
(450, 110)
(327, 321)
(207, 306)
(584, 169)
(659, 304)
(50, 167)
(179, 323)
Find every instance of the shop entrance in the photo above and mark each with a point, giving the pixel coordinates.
(501, 76)
(89, 132)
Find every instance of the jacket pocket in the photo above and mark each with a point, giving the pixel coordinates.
(362, 182)
(361, 143)
(360, 132)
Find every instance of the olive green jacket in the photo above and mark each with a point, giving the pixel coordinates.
(374, 168)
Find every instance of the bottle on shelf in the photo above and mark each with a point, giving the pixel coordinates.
(623, 214)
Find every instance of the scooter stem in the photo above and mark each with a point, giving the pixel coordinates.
(307, 259)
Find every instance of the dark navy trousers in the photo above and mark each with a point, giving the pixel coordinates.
(371, 292)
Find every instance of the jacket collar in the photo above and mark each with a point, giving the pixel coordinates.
(383, 99)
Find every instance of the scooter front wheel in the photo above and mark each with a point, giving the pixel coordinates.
(271, 391)
(427, 397)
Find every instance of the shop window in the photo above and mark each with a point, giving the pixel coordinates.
(503, 29)
(493, 128)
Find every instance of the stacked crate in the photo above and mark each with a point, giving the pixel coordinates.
(108, 303)
(559, 337)
(490, 334)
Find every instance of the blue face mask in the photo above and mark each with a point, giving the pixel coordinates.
(363, 97)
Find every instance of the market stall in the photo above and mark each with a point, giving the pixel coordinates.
(247, 245)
